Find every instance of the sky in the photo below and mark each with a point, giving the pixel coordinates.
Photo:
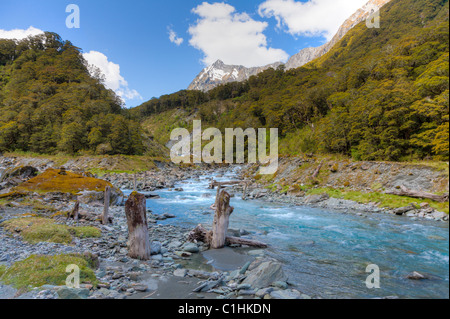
(149, 48)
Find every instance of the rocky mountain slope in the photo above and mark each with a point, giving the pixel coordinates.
(221, 73)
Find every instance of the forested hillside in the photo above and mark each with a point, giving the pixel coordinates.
(50, 103)
(379, 94)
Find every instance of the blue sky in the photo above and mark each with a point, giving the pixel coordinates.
(135, 35)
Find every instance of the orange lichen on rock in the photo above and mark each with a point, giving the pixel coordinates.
(52, 181)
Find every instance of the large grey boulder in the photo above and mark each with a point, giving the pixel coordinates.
(265, 274)
(314, 199)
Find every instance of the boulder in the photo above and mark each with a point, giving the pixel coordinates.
(191, 248)
(416, 276)
(155, 248)
(314, 199)
(439, 215)
(403, 210)
(265, 274)
(20, 172)
(180, 273)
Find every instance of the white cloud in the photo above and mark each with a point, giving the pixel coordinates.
(310, 18)
(111, 71)
(173, 37)
(235, 38)
(19, 34)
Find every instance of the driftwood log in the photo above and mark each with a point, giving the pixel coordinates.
(403, 191)
(138, 238)
(200, 233)
(317, 171)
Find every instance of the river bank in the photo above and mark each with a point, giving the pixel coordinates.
(178, 268)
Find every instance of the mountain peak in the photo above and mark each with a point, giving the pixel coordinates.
(218, 64)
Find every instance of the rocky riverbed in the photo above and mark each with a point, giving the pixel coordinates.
(177, 268)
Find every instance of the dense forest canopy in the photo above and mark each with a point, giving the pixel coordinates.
(379, 94)
(50, 103)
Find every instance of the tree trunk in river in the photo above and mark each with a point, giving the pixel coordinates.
(105, 215)
(217, 237)
(138, 238)
(418, 194)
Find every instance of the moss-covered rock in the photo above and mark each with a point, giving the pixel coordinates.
(65, 182)
(53, 181)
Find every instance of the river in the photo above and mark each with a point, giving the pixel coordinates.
(325, 253)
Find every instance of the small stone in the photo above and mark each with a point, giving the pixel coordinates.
(280, 284)
(140, 287)
(191, 248)
(180, 273)
(183, 254)
(174, 244)
(424, 205)
(263, 292)
(416, 276)
(247, 292)
(244, 287)
(155, 248)
(245, 268)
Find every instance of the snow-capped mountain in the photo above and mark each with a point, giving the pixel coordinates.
(221, 73)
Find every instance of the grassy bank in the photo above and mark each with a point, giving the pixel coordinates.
(380, 199)
(38, 270)
(35, 230)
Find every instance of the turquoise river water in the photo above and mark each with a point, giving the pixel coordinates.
(325, 253)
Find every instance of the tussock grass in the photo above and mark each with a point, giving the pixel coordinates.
(35, 230)
(39, 270)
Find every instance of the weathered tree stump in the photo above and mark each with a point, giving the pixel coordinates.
(221, 220)
(105, 215)
(75, 212)
(217, 237)
(138, 238)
